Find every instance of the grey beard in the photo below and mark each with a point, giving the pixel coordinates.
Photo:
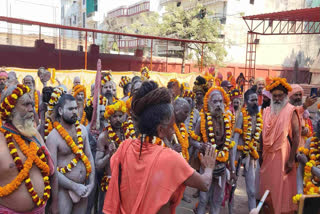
(276, 108)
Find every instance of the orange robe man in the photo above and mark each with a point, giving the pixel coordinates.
(232, 80)
(278, 173)
(148, 182)
(296, 99)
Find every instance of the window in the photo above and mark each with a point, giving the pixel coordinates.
(83, 19)
(84, 2)
(74, 20)
(70, 21)
(251, 1)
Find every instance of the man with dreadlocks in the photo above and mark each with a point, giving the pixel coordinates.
(109, 140)
(247, 137)
(200, 88)
(79, 93)
(70, 149)
(215, 128)
(125, 84)
(174, 88)
(281, 136)
(25, 163)
(147, 177)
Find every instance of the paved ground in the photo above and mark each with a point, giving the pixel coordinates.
(240, 205)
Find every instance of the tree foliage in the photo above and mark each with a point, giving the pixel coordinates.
(186, 24)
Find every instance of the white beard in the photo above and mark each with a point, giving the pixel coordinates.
(25, 126)
(276, 108)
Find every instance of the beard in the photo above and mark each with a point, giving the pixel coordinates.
(253, 109)
(70, 120)
(276, 107)
(25, 124)
(297, 102)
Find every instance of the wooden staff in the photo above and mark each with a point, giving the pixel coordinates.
(95, 122)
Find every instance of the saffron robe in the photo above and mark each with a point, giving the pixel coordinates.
(276, 151)
(148, 181)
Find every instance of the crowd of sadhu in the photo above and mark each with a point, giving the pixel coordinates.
(63, 151)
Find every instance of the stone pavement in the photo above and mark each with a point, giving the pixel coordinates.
(240, 205)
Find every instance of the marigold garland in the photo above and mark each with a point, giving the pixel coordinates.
(106, 78)
(84, 120)
(35, 155)
(10, 101)
(55, 96)
(146, 74)
(192, 134)
(105, 182)
(310, 182)
(206, 119)
(124, 81)
(47, 128)
(102, 101)
(119, 105)
(128, 127)
(155, 140)
(237, 130)
(251, 141)
(276, 82)
(182, 136)
(36, 101)
(188, 93)
(76, 149)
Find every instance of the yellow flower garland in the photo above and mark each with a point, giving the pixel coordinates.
(310, 182)
(192, 134)
(206, 119)
(36, 101)
(10, 101)
(34, 155)
(182, 136)
(119, 105)
(77, 150)
(251, 142)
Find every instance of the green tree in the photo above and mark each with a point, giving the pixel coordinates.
(195, 24)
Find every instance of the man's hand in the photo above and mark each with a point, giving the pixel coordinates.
(90, 188)
(233, 177)
(208, 160)
(177, 148)
(302, 158)
(309, 102)
(81, 190)
(289, 166)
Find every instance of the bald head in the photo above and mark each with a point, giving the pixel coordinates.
(76, 81)
(181, 110)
